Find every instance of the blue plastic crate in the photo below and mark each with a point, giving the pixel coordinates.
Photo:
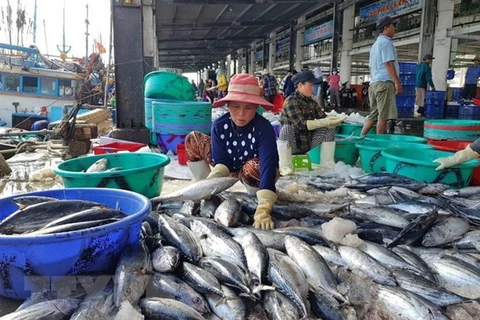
(467, 117)
(456, 94)
(407, 67)
(408, 79)
(434, 115)
(436, 95)
(405, 112)
(408, 90)
(452, 111)
(432, 108)
(470, 110)
(435, 102)
(405, 101)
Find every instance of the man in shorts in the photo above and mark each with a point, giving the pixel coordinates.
(384, 83)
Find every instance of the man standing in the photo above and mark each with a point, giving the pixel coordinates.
(471, 79)
(334, 82)
(384, 83)
(269, 86)
(289, 87)
(424, 77)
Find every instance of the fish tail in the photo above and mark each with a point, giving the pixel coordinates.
(19, 205)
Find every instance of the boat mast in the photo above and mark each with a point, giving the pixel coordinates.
(86, 38)
(64, 50)
(35, 23)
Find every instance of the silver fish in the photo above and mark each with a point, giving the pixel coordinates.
(198, 190)
(166, 259)
(159, 308)
(380, 215)
(181, 238)
(359, 260)
(414, 260)
(234, 309)
(99, 166)
(98, 305)
(25, 201)
(456, 276)
(324, 305)
(462, 192)
(227, 273)
(228, 213)
(53, 309)
(284, 273)
(386, 257)
(171, 287)
(256, 255)
(279, 307)
(426, 288)
(331, 256)
(132, 274)
(209, 206)
(445, 231)
(401, 304)
(314, 267)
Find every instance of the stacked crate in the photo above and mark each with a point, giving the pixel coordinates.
(435, 104)
(469, 112)
(406, 100)
(452, 110)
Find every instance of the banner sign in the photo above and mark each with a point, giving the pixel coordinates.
(282, 46)
(318, 33)
(392, 8)
(258, 56)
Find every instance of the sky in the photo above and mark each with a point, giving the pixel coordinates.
(51, 11)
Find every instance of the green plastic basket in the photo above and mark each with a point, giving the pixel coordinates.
(371, 157)
(345, 150)
(142, 172)
(396, 137)
(462, 130)
(168, 85)
(353, 129)
(420, 166)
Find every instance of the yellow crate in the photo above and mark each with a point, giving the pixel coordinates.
(301, 162)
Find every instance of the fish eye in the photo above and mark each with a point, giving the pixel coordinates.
(128, 291)
(197, 300)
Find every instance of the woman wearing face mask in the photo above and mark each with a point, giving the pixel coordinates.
(334, 82)
(242, 144)
(304, 125)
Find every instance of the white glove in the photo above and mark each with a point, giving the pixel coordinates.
(328, 122)
(459, 157)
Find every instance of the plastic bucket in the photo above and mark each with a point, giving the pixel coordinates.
(182, 154)
(141, 173)
(352, 129)
(454, 146)
(371, 158)
(27, 259)
(420, 166)
(449, 129)
(169, 142)
(168, 85)
(396, 137)
(345, 150)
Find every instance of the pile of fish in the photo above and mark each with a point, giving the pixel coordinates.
(392, 248)
(37, 215)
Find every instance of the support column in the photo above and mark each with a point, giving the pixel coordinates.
(150, 42)
(229, 66)
(252, 58)
(265, 54)
(271, 50)
(291, 53)
(453, 51)
(335, 37)
(235, 61)
(427, 28)
(247, 60)
(442, 44)
(299, 45)
(129, 73)
(347, 43)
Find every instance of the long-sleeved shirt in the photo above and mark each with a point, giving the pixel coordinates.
(473, 73)
(334, 81)
(424, 76)
(269, 85)
(233, 146)
(297, 109)
(289, 87)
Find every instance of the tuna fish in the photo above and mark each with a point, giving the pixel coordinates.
(228, 213)
(166, 259)
(99, 166)
(159, 308)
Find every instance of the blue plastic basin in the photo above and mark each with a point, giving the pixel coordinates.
(25, 259)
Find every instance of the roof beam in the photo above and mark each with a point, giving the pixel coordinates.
(199, 48)
(216, 18)
(237, 17)
(196, 18)
(234, 24)
(213, 39)
(228, 2)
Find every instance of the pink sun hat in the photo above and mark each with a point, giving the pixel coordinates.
(244, 88)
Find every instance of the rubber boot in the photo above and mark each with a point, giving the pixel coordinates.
(416, 114)
(285, 158)
(327, 154)
(200, 169)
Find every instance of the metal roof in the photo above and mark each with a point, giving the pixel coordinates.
(195, 33)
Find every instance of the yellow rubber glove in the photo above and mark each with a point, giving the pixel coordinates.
(263, 215)
(220, 170)
(458, 158)
(328, 122)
